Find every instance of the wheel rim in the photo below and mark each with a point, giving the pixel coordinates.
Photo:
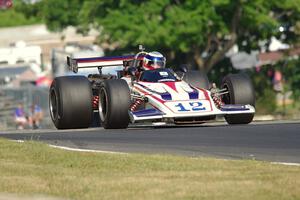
(53, 105)
(102, 104)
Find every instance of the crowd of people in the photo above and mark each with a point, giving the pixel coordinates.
(31, 119)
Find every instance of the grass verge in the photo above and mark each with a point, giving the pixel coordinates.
(34, 168)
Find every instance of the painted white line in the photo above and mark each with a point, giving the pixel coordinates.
(85, 150)
(75, 149)
(286, 163)
(113, 152)
(122, 153)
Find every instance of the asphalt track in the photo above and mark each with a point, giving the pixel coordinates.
(274, 141)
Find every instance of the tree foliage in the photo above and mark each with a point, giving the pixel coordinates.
(291, 72)
(196, 32)
(60, 14)
(187, 31)
(20, 14)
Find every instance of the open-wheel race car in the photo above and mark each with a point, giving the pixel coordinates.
(141, 90)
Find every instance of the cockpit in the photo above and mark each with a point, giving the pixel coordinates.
(158, 75)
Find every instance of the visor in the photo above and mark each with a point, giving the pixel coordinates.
(155, 62)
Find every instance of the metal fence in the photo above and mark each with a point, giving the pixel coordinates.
(29, 95)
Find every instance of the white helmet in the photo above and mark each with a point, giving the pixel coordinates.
(154, 60)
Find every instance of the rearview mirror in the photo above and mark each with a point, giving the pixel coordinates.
(183, 68)
(141, 47)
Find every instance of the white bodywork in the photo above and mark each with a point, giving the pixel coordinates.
(180, 105)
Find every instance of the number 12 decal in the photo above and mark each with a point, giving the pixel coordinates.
(193, 106)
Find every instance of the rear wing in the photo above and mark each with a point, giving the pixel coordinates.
(77, 63)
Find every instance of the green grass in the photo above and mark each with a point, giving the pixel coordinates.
(34, 168)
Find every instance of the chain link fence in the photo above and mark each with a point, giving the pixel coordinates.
(27, 96)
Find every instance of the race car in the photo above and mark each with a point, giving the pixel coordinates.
(158, 95)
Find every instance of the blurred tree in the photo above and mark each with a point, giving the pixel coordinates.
(291, 70)
(60, 14)
(21, 13)
(194, 32)
(201, 32)
(265, 95)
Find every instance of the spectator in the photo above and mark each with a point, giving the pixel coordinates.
(36, 116)
(20, 118)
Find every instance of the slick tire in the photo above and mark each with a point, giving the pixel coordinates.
(70, 102)
(114, 102)
(241, 91)
(195, 78)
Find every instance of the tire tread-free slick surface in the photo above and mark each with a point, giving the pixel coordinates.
(71, 99)
(241, 91)
(114, 104)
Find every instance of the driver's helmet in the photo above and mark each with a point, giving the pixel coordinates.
(154, 60)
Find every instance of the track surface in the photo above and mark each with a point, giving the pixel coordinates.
(276, 141)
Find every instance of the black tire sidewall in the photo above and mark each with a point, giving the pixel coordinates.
(54, 91)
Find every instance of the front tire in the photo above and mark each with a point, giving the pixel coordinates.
(114, 102)
(241, 91)
(70, 102)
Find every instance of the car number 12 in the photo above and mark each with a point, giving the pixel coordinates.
(192, 106)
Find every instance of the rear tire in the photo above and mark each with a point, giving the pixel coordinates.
(195, 78)
(70, 102)
(114, 102)
(241, 91)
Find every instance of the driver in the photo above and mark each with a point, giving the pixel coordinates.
(153, 60)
